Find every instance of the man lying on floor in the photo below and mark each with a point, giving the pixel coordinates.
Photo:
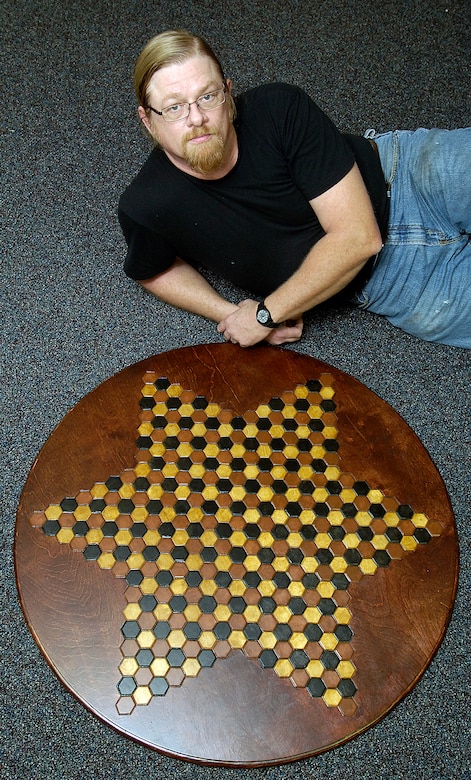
(267, 193)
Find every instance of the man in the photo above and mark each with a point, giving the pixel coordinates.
(267, 193)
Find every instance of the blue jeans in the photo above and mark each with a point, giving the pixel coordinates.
(422, 277)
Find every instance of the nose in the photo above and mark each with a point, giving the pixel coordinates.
(196, 115)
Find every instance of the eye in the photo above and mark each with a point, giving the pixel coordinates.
(208, 98)
(175, 109)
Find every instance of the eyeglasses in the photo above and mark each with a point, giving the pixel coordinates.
(206, 102)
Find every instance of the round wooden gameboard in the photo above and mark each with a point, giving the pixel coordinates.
(236, 557)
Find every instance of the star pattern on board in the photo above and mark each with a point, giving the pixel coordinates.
(237, 533)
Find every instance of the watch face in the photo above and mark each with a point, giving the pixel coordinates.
(263, 316)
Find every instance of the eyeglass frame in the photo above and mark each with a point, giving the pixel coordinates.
(189, 103)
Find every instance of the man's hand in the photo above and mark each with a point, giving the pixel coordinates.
(241, 327)
(286, 333)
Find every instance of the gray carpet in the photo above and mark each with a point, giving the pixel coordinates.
(69, 144)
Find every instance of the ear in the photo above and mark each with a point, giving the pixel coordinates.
(229, 86)
(143, 116)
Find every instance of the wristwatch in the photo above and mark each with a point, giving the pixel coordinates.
(264, 316)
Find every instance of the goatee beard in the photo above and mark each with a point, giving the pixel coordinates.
(206, 157)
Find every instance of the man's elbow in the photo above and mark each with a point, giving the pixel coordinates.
(146, 283)
(371, 242)
(376, 243)
(152, 285)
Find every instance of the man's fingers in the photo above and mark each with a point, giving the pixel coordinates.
(286, 334)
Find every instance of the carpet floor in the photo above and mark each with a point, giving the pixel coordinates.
(70, 142)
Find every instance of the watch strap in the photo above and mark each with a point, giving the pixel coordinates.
(264, 317)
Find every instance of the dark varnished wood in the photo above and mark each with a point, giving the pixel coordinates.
(235, 713)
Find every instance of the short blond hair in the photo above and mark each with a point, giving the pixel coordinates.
(168, 48)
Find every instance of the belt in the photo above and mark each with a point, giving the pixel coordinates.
(374, 145)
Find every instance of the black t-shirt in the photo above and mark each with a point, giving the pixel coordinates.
(255, 225)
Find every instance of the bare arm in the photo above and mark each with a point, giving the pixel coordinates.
(183, 286)
(351, 237)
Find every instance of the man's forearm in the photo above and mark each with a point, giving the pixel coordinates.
(351, 237)
(184, 287)
(329, 267)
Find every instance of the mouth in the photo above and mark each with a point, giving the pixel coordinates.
(200, 139)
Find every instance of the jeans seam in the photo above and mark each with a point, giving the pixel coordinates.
(395, 160)
(417, 234)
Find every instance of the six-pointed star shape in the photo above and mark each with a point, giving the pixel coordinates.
(237, 533)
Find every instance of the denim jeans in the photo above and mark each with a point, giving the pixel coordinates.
(422, 277)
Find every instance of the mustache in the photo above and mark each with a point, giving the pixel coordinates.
(196, 133)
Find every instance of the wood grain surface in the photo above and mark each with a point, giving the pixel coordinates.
(237, 712)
